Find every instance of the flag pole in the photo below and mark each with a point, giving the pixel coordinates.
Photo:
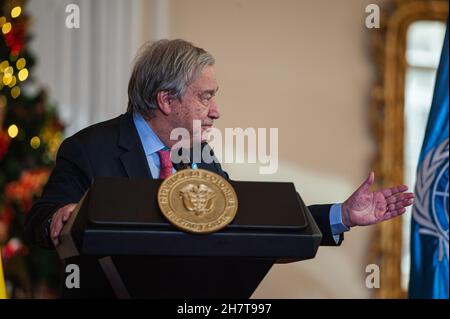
(2, 281)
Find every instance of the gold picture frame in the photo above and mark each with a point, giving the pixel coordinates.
(387, 124)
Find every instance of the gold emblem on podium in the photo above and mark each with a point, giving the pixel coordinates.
(197, 201)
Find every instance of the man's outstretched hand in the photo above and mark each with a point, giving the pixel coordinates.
(365, 207)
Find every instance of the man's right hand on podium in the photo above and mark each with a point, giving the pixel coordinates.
(60, 217)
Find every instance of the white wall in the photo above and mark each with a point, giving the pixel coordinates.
(86, 70)
(303, 67)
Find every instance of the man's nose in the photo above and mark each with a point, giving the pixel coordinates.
(214, 110)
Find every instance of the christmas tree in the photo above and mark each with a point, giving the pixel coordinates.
(30, 134)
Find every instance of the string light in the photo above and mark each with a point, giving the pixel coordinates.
(23, 75)
(7, 78)
(13, 130)
(13, 82)
(2, 21)
(15, 92)
(9, 70)
(4, 65)
(6, 27)
(16, 11)
(20, 64)
(35, 142)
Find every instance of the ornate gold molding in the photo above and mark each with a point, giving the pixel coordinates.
(387, 124)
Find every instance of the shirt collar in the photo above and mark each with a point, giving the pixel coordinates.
(150, 141)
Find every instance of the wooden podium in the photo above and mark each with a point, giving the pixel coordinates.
(125, 248)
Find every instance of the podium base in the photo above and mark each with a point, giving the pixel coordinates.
(167, 277)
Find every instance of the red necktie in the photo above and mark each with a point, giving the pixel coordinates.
(165, 163)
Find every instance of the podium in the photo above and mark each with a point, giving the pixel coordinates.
(127, 249)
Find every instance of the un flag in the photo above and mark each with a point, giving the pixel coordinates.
(430, 231)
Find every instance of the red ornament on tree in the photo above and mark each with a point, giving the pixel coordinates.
(15, 38)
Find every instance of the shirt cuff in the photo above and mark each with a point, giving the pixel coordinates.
(337, 226)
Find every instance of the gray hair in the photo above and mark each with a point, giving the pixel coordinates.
(165, 65)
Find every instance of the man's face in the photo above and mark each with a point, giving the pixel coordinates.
(198, 103)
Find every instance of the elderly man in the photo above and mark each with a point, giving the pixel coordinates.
(172, 84)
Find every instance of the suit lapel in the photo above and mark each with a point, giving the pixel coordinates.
(213, 166)
(133, 158)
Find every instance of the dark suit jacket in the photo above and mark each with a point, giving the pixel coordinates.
(111, 148)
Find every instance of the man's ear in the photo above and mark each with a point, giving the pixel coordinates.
(164, 100)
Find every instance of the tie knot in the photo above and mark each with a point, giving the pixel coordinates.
(164, 156)
(166, 163)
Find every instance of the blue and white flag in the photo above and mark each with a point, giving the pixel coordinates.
(429, 232)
